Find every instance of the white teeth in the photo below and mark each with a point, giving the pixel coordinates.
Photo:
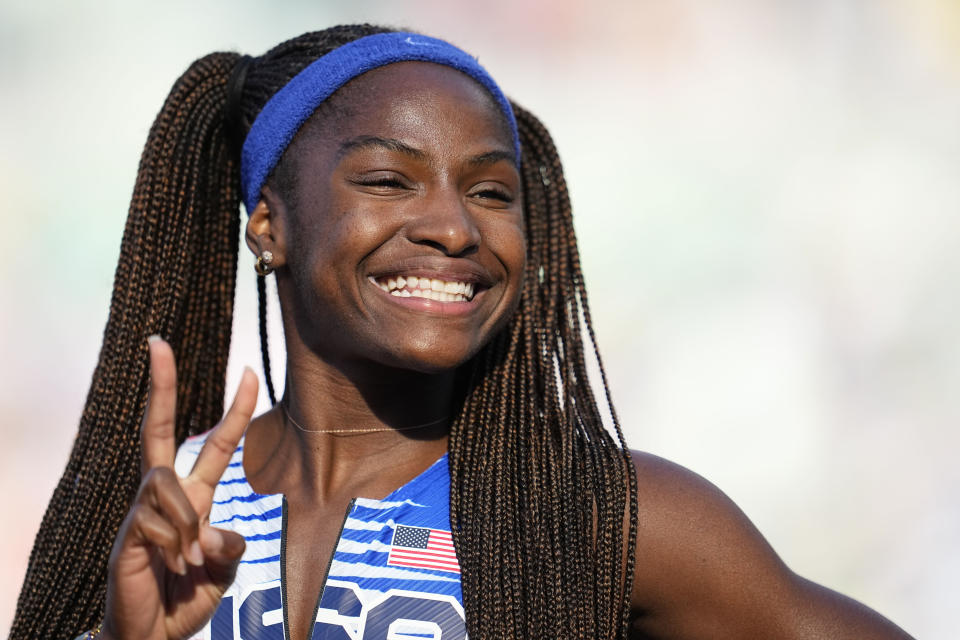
(431, 288)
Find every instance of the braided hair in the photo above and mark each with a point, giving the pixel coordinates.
(539, 487)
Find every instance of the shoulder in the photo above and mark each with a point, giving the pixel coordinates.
(665, 485)
(703, 570)
(692, 541)
(678, 506)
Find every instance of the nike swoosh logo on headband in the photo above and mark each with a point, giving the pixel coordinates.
(410, 40)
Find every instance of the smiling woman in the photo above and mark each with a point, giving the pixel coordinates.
(437, 464)
(423, 188)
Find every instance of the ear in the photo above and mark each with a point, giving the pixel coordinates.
(264, 231)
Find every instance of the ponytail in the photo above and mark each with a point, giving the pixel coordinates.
(176, 278)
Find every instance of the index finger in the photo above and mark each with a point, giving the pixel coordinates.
(222, 442)
(159, 421)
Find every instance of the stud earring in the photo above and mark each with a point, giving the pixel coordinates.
(263, 267)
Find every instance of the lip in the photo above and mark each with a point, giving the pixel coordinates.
(427, 305)
(440, 268)
(449, 269)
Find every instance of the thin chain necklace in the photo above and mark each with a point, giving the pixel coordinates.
(286, 412)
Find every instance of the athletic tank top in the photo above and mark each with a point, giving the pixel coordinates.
(393, 574)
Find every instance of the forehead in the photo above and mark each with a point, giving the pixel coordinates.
(409, 94)
(409, 77)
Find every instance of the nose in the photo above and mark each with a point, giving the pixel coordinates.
(445, 223)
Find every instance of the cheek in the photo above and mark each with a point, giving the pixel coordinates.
(334, 251)
(339, 236)
(507, 241)
(318, 257)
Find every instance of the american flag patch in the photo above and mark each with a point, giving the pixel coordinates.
(423, 548)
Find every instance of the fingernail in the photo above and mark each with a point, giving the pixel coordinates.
(181, 565)
(153, 338)
(195, 554)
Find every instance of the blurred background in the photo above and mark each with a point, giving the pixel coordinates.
(766, 195)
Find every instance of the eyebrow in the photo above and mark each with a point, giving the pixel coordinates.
(392, 144)
(492, 157)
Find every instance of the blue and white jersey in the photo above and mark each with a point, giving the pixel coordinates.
(394, 573)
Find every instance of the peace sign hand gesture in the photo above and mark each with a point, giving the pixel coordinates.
(169, 568)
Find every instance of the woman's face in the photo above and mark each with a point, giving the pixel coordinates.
(404, 223)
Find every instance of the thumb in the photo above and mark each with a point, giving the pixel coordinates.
(221, 553)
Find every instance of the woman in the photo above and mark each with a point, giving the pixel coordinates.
(437, 463)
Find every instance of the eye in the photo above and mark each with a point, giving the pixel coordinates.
(387, 182)
(381, 183)
(492, 193)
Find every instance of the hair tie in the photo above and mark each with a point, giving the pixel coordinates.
(284, 114)
(233, 111)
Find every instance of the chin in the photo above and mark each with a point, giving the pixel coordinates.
(433, 359)
(432, 366)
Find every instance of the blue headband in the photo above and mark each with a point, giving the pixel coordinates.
(289, 108)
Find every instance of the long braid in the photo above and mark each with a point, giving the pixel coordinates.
(175, 277)
(532, 465)
(535, 476)
(264, 346)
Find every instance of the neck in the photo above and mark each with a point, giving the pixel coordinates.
(356, 431)
(390, 401)
(350, 431)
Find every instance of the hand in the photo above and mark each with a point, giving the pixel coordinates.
(169, 568)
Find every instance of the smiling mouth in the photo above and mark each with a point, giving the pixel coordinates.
(429, 288)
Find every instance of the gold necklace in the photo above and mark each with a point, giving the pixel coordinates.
(286, 412)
